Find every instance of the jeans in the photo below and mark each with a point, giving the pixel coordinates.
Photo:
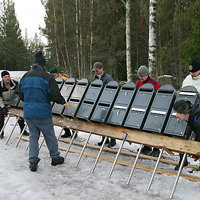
(47, 128)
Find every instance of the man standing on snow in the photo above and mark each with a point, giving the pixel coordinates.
(37, 89)
(143, 74)
(7, 89)
(102, 75)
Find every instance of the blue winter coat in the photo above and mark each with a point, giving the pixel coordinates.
(37, 90)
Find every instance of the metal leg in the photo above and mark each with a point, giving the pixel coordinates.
(178, 175)
(70, 144)
(134, 165)
(4, 125)
(60, 133)
(20, 137)
(98, 156)
(12, 131)
(83, 149)
(115, 161)
(155, 169)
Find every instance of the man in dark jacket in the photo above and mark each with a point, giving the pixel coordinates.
(102, 75)
(7, 89)
(37, 89)
(185, 111)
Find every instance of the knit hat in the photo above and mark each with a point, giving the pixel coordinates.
(39, 59)
(4, 73)
(53, 71)
(194, 66)
(143, 71)
(96, 66)
(182, 107)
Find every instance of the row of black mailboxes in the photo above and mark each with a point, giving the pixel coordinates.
(126, 106)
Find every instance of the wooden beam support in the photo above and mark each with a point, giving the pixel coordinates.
(135, 136)
(129, 164)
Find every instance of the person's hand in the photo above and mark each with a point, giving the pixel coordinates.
(66, 105)
(4, 111)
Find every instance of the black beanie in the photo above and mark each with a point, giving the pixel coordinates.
(194, 66)
(3, 73)
(39, 59)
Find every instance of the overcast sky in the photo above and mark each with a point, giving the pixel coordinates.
(30, 14)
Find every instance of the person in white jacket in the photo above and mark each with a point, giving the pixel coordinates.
(193, 79)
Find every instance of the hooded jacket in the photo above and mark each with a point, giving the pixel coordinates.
(37, 90)
(195, 82)
(194, 120)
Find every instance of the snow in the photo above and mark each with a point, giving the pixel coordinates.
(67, 182)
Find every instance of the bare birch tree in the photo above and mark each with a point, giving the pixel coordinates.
(152, 36)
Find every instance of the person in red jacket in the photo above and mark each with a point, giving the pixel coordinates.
(143, 73)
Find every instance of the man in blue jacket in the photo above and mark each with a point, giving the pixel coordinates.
(37, 90)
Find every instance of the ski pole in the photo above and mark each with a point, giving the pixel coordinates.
(12, 131)
(83, 149)
(178, 175)
(20, 137)
(134, 165)
(115, 161)
(70, 144)
(98, 156)
(155, 169)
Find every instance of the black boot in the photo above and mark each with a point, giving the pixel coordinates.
(155, 152)
(67, 133)
(25, 133)
(179, 164)
(34, 165)
(100, 143)
(57, 161)
(112, 143)
(146, 150)
(2, 135)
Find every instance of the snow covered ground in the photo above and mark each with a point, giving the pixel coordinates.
(67, 182)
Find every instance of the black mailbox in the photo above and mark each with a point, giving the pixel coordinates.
(66, 91)
(140, 107)
(122, 104)
(76, 97)
(105, 102)
(15, 99)
(160, 109)
(174, 126)
(89, 102)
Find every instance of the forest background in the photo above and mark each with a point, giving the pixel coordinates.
(81, 32)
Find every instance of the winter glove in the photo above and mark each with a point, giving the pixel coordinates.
(66, 105)
(4, 111)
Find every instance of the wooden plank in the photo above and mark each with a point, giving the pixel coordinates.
(172, 162)
(129, 164)
(135, 136)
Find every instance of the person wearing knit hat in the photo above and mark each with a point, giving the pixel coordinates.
(39, 59)
(189, 113)
(38, 89)
(143, 74)
(8, 87)
(193, 79)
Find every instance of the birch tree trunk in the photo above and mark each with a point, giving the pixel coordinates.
(152, 36)
(128, 41)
